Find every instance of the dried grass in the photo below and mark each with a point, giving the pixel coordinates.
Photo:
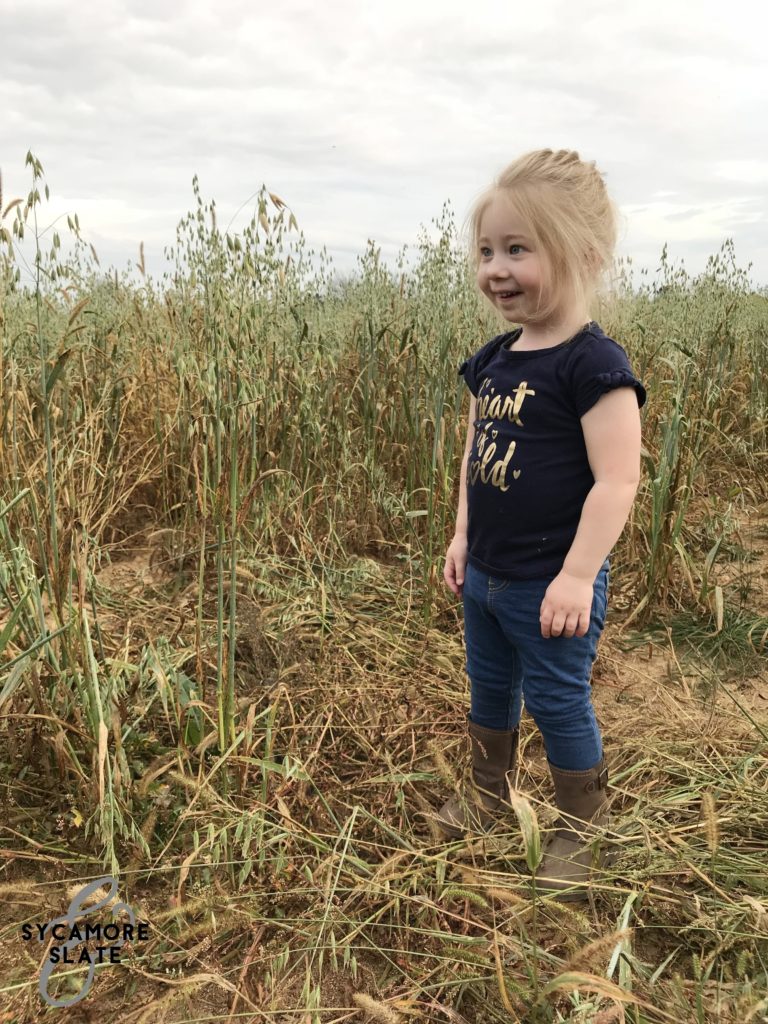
(283, 773)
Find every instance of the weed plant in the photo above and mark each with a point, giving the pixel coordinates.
(256, 738)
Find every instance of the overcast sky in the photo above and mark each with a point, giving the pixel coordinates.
(366, 118)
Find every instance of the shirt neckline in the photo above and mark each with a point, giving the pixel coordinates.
(533, 353)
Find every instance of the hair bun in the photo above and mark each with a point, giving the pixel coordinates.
(564, 156)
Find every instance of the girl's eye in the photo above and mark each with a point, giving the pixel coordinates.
(485, 248)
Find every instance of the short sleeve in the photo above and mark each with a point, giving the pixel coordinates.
(472, 369)
(602, 366)
(466, 371)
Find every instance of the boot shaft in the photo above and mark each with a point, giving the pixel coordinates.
(494, 754)
(580, 795)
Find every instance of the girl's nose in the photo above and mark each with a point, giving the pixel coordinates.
(496, 266)
(497, 271)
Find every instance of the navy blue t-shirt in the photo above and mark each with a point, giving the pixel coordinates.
(528, 474)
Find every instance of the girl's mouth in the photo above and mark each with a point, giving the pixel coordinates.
(507, 296)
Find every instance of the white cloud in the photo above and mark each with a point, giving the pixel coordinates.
(748, 172)
(365, 120)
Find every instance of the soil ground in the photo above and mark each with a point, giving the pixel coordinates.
(638, 691)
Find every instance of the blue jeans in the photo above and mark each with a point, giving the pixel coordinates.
(509, 661)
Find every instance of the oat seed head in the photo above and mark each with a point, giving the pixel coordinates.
(709, 814)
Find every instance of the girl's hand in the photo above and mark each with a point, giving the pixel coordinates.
(456, 564)
(567, 606)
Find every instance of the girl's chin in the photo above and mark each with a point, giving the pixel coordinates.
(510, 310)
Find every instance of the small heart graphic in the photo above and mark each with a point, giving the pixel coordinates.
(494, 433)
(515, 473)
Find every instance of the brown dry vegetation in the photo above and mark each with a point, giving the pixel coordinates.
(231, 666)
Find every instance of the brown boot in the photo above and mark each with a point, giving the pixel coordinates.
(568, 857)
(494, 753)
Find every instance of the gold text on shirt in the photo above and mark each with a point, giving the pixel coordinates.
(490, 407)
(497, 474)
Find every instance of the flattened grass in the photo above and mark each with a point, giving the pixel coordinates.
(255, 734)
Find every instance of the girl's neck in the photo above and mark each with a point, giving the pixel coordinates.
(546, 335)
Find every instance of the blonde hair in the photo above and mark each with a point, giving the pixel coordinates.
(573, 222)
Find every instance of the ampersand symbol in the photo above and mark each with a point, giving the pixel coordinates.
(76, 910)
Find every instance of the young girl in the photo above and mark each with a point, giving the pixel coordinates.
(550, 471)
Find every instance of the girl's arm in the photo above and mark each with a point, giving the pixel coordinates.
(461, 518)
(612, 437)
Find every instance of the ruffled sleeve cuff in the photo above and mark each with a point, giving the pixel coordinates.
(604, 382)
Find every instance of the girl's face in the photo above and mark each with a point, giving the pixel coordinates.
(508, 262)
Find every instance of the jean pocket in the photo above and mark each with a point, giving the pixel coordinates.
(496, 585)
